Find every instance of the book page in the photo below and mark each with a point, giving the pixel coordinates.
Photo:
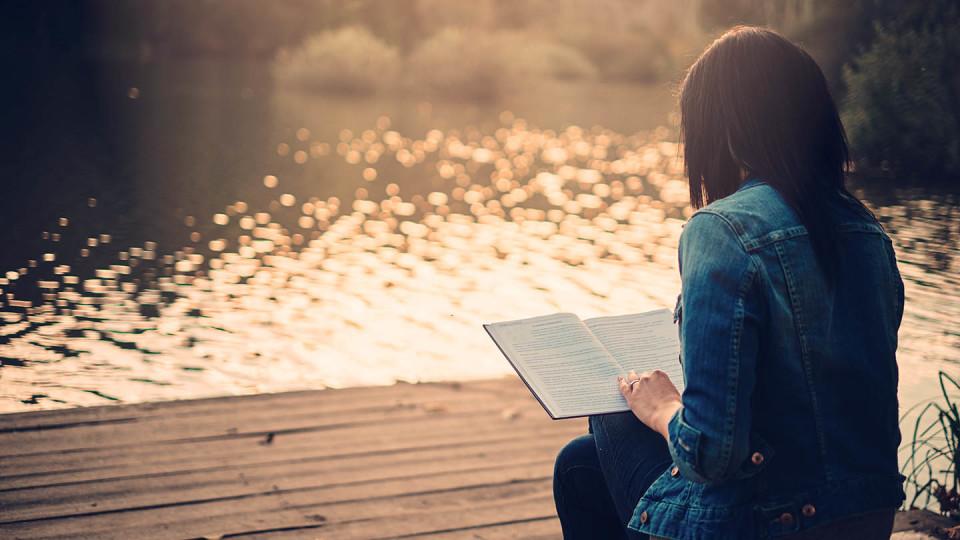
(642, 342)
(563, 364)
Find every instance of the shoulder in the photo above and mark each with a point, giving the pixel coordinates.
(708, 228)
(712, 255)
(755, 214)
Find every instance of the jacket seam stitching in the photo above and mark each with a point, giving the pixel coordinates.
(737, 230)
(734, 366)
(805, 357)
(772, 237)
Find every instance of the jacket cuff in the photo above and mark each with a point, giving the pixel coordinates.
(684, 445)
(686, 440)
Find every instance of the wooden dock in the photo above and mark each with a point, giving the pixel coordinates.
(449, 460)
(471, 460)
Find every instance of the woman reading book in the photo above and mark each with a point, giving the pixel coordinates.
(788, 315)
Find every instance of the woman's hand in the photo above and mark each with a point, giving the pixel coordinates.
(653, 399)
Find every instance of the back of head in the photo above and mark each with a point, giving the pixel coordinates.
(755, 104)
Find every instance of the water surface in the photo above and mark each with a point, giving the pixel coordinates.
(215, 235)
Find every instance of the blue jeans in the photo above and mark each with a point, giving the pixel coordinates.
(599, 477)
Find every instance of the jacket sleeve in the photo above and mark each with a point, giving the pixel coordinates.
(722, 309)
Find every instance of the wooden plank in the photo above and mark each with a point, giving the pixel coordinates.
(434, 513)
(208, 485)
(495, 512)
(290, 449)
(547, 528)
(156, 427)
(27, 470)
(51, 419)
(523, 408)
(441, 429)
(58, 418)
(172, 430)
(361, 499)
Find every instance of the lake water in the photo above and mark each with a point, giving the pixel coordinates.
(189, 231)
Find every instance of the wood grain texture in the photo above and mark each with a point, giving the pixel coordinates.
(471, 460)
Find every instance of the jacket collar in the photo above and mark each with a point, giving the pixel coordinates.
(750, 182)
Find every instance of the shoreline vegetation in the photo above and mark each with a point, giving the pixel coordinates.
(891, 65)
(457, 62)
(934, 451)
(893, 72)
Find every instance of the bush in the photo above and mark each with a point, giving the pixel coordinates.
(459, 63)
(483, 65)
(530, 56)
(349, 59)
(902, 109)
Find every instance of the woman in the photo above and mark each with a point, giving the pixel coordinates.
(788, 317)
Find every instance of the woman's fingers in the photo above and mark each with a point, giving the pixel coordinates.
(657, 392)
(646, 378)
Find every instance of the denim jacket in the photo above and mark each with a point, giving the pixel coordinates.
(790, 413)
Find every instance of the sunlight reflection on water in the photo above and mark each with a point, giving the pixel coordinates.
(312, 292)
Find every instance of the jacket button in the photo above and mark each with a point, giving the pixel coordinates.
(675, 471)
(809, 510)
(644, 517)
(786, 518)
(756, 458)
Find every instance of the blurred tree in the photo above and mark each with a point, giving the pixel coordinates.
(462, 63)
(893, 64)
(346, 60)
(833, 32)
(902, 109)
(627, 40)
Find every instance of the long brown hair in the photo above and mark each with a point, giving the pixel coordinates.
(754, 102)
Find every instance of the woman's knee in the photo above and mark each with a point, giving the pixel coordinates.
(579, 452)
(614, 422)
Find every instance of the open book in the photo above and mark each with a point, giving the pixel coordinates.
(571, 366)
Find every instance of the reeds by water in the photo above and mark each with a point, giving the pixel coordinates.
(931, 467)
